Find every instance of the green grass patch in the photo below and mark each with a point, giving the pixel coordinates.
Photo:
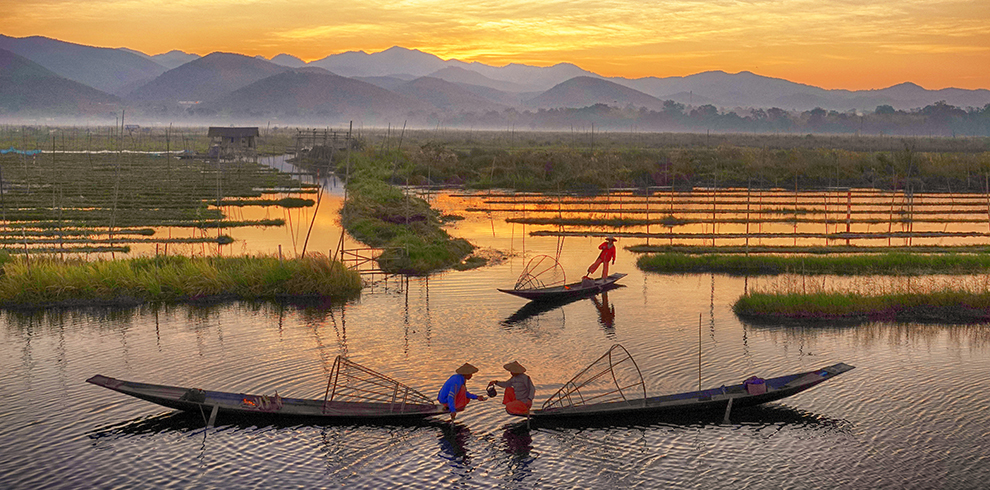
(876, 264)
(946, 306)
(817, 250)
(33, 282)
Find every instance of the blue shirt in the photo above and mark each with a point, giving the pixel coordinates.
(448, 392)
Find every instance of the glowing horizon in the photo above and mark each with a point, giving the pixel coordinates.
(849, 44)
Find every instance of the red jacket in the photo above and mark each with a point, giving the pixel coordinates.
(607, 252)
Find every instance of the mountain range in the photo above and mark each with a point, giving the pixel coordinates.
(83, 80)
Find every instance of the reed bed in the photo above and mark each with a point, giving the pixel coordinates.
(46, 282)
(862, 265)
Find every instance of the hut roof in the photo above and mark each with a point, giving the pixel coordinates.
(216, 132)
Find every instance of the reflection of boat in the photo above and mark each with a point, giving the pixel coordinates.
(582, 289)
(601, 389)
(353, 393)
(536, 308)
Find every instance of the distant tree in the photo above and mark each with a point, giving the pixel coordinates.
(706, 111)
(775, 114)
(816, 117)
(673, 108)
(885, 109)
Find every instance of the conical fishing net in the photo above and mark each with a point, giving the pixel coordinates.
(352, 383)
(542, 271)
(614, 377)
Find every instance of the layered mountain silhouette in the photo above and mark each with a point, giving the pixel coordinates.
(104, 69)
(208, 78)
(583, 91)
(405, 81)
(27, 87)
(446, 96)
(310, 92)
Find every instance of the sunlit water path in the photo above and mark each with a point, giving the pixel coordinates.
(913, 414)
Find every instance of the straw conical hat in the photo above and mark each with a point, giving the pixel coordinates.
(466, 369)
(514, 368)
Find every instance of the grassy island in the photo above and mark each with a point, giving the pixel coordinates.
(381, 215)
(32, 282)
(947, 306)
(847, 264)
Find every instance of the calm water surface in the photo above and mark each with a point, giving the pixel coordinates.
(913, 414)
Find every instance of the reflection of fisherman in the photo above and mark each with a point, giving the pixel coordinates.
(606, 312)
(454, 395)
(519, 390)
(607, 253)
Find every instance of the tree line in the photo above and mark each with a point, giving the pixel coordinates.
(938, 119)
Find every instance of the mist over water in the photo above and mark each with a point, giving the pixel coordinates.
(912, 414)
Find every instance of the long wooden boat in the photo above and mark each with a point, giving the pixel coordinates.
(579, 289)
(578, 399)
(353, 393)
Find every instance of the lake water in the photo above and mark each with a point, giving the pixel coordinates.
(915, 413)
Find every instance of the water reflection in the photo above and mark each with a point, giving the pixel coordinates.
(517, 443)
(453, 443)
(534, 309)
(606, 314)
(760, 416)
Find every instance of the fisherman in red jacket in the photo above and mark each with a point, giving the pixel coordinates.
(607, 253)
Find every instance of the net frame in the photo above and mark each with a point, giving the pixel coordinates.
(351, 382)
(581, 390)
(541, 271)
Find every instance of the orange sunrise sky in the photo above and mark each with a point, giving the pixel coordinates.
(847, 44)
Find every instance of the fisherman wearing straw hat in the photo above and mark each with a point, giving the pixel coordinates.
(454, 395)
(607, 253)
(519, 390)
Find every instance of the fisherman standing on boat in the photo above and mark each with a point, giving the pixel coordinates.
(454, 395)
(519, 390)
(607, 253)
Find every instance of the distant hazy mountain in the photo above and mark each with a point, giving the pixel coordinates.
(208, 78)
(746, 89)
(446, 96)
(174, 58)
(911, 95)
(533, 78)
(288, 60)
(585, 91)
(169, 60)
(28, 88)
(456, 74)
(145, 79)
(722, 88)
(308, 94)
(392, 61)
(387, 83)
(102, 68)
(507, 99)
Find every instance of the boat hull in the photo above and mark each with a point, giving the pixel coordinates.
(572, 290)
(262, 406)
(698, 402)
